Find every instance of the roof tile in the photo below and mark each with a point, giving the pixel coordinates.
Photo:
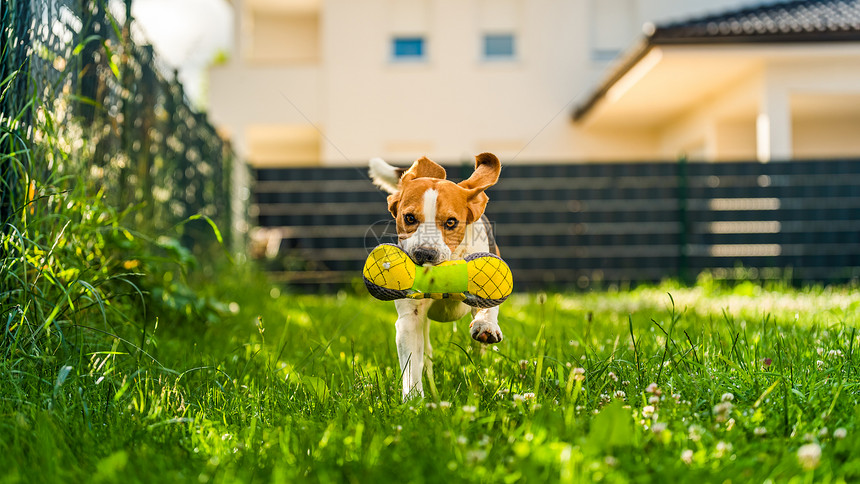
(779, 21)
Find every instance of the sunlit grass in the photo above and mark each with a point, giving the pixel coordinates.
(650, 384)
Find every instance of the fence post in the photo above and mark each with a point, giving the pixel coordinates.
(87, 75)
(684, 229)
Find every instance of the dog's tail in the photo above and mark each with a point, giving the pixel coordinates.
(383, 175)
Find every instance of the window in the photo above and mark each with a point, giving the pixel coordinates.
(408, 48)
(498, 46)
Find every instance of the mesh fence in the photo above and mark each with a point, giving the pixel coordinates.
(81, 93)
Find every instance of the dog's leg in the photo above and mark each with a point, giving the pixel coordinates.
(428, 359)
(410, 339)
(485, 325)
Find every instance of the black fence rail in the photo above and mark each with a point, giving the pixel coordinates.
(585, 224)
(81, 99)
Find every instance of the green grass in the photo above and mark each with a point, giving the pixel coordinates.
(281, 387)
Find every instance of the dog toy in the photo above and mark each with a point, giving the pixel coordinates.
(482, 280)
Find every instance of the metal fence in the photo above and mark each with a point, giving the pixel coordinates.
(80, 97)
(594, 224)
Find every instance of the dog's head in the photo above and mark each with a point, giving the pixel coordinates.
(431, 212)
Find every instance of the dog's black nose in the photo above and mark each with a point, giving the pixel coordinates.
(423, 255)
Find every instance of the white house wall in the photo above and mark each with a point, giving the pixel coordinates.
(755, 117)
(713, 128)
(330, 82)
(456, 104)
(455, 101)
(800, 134)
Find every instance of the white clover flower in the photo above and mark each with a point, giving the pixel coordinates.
(647, 411)
(613, 376)
(835, 353)
(694, 432)
(475, 456)
(611, 461)
(840, 433)
(809, 456)
(659, 427)
(620, 394)
(722, 449)
(469, 409)
(652, 388)
(654, 399)
(760, 431)
(444, 405)
(518, 398)
(687, 456)
(727, 397)
(528, 396)
(823, 432)
(722, 410)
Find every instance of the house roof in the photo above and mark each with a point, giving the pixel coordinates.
(803, 21)
(794, 21)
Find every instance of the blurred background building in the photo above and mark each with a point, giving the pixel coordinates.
(336, 82)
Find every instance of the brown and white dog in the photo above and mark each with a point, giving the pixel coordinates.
(437, 220)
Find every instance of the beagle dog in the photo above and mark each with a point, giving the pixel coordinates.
(437, 220)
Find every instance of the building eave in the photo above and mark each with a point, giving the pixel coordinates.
(656, 40)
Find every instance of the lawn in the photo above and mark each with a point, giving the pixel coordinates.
(711, 383)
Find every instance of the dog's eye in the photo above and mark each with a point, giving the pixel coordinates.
(409, 219)
(451, 223)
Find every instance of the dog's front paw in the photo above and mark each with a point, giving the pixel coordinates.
(485, 331)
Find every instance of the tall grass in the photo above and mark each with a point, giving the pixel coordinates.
(82, 294)
(608, 386)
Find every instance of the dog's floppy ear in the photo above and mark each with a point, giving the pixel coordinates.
(385, 176)
(393, 201)
(487, 169)
(423, 168)
(388, 178)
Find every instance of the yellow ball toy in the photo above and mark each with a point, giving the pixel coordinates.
(480, 280)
